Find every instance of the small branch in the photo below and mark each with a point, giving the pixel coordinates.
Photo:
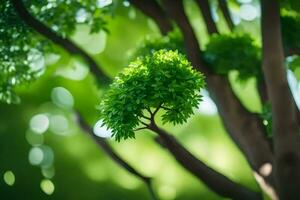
(149, 110)
(142, 128)
(66, 44)
(104, 145)
(153, 9)
(165, 108)
(226, 13)
(143, 123)
(155, 111)
(145, 117)
(216, 181)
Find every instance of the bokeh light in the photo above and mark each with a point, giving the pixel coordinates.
(39, 123)
(51, 58)
(207, 106)
(244, 1)
(41, 156)
(47, 186)
(36, 156)
(34, 139)
(62, 97)
(36, 61)
(9, 178)
(103, 3)
(94, 43)
(101, 130)
(48, 172)
(76, 70)
(81, 15)
(248, 12)
(59, 124)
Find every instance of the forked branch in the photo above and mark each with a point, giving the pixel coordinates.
(216, 181)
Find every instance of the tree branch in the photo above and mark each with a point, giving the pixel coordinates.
(245, 128)
(216, 181)
(226, 13)
(63, 42)
(104, 145)
(153, 10)
(207, 15)
(284, 116)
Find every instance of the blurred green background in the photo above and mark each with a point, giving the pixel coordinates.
(45, 155)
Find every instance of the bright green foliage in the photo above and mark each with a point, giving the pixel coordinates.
(18, 49)
(165, 79)
(63, 16)
(293, 63)
(225, 53)
(22, 49)
(291, 31)
(172, 41)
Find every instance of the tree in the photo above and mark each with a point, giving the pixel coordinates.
(166, 75)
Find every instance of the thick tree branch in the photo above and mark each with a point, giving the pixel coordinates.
(226, 13)
(244, 127)
(285, 126)
(207, 16)
(63, 42)
(262, 91)
(104, 145)
(153, 10)
(216, 181)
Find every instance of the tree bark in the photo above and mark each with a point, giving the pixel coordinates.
(153, 9)
(245, 128)
(216, 181)
(285, 126)
(63, 42)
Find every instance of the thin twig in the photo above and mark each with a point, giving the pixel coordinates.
(156, 110)
(142, 128)
(143, 123)
(146, 117)
(165, 108)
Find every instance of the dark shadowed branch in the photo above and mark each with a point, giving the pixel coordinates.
(104, 145)
(226, 13)
(216, 181)
(153, 9)
(65, 43)
(207, 16)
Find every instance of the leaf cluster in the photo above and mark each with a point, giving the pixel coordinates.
(21, 47)
(225, 53)
(18, 44)
(290, 26)
(163, 79)
(172, 41)
(62, 16)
